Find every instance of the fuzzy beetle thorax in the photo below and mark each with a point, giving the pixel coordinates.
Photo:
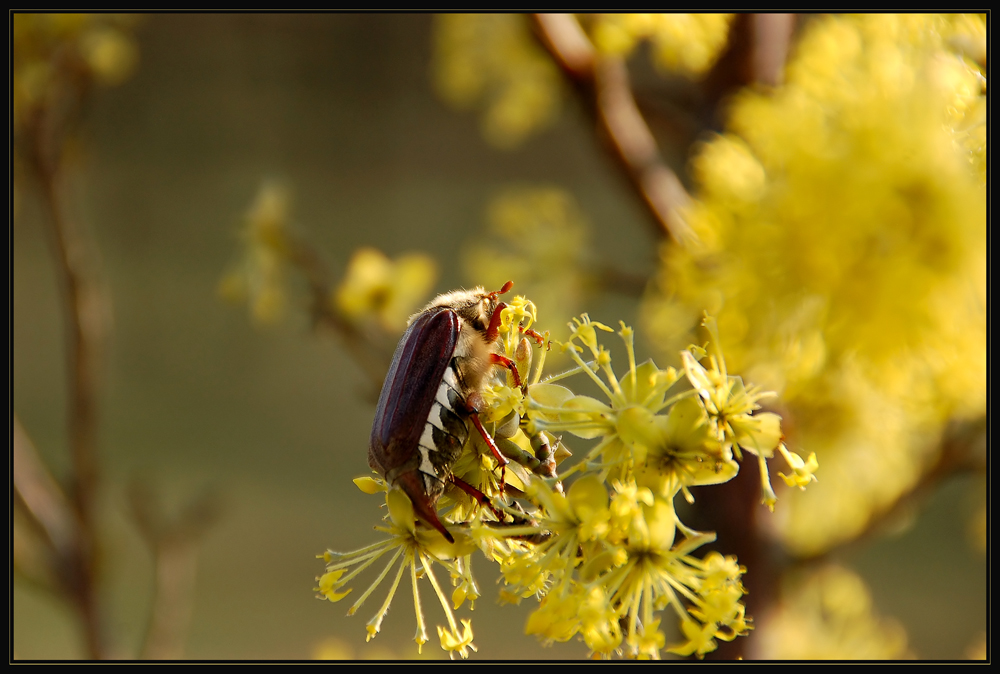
(475, 309)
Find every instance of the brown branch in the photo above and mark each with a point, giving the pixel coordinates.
(45, 538)
(174, 546)
(84, 309)
(43, 499)
(602, 83)
(756, 51)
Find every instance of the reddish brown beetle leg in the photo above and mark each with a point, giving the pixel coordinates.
(501, 459)
(479, 496)
(534, 334)
(497, 359)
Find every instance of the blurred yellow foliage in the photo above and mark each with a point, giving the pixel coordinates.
(685, 43)
(260, 277)
(385, 291)
(829, 615)
(492, 62)
(538, 236)
(842, 227)
(55, 52)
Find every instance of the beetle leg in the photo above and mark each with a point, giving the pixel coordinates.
(472, 405)
(482, 499)
(535, 335)
(493, 329)
(506, 362)
(501, 459)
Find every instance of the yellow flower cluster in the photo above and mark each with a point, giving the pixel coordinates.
(492, 62)
(607, 554)
(842, 247)
(260, 277)
(684, 43)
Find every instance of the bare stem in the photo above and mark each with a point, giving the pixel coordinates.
(84, 310)
(175, 551)
(603, 84)
(367, 352)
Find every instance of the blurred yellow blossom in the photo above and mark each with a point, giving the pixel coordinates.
(382, 290)
(260, 276)
(55, 54)
(492, 62)
(829, 615)
(539, 236)
(842, 226)
(685, 43)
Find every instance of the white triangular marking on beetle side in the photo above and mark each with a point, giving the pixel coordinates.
(427, 438)
(425, 462)
(434, 418)
(442, 396)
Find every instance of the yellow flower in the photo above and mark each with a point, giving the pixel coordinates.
(556, 618)
(685, 43)
(802, 471)
(453, 642)
(386, 291)
(599, 622)
(260, 277)
(539, 237)
(416, 550)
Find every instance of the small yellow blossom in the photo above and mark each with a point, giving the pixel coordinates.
(802, 471)
(385, 291)
(453, 642)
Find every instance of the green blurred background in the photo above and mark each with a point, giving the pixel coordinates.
(275, 422)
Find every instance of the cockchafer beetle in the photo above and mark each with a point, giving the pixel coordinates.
(433, 387)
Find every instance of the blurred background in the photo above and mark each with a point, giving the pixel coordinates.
(262, 421)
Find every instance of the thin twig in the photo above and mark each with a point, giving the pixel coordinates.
(369, 352)
(84, 310)
(174, 546)
(603, 84)
(45, 541)
(41, 495)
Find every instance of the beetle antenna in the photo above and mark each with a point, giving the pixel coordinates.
(495, 293)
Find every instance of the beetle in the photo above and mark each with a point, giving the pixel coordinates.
(433, 388)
